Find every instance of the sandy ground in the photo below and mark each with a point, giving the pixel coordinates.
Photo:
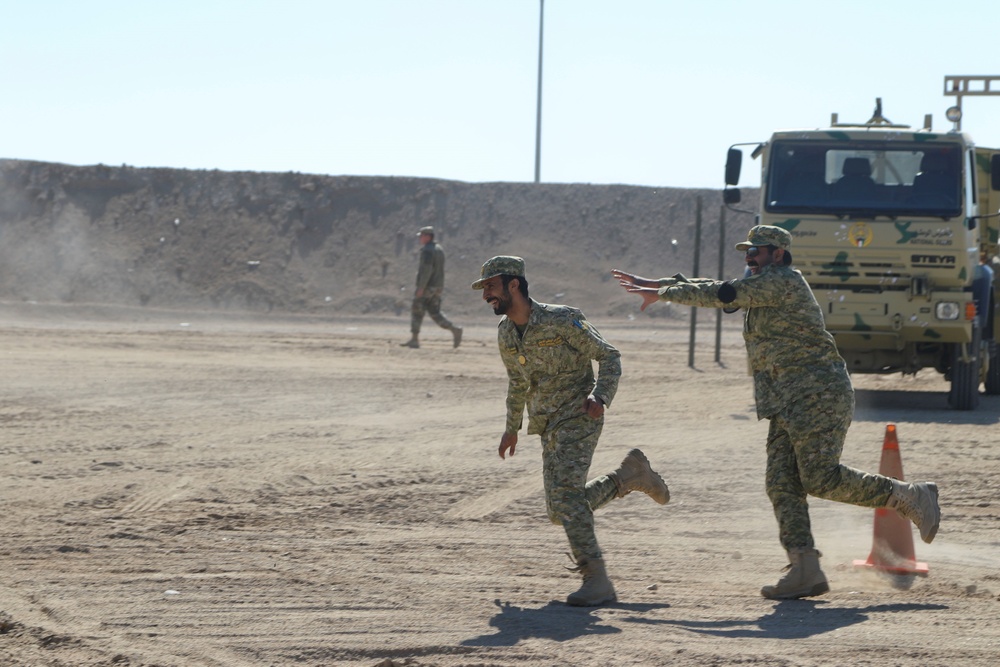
(181, 490)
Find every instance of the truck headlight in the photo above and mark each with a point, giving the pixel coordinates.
(947, 310)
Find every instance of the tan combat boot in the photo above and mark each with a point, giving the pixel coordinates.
(635, 474)
(596, 589)
(802, 579)
(918, 502)
(456, 335)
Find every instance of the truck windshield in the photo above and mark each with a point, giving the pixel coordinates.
(865, 178)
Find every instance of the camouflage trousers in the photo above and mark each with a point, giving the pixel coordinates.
(804, 445)
(429, 303)
(567, 451)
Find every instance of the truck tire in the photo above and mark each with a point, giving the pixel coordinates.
(992, 383)
(964, 393)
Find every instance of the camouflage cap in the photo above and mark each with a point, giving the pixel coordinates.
(501, 265)
(766, 235)
(426, 230)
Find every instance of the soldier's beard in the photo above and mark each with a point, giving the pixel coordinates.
(503, 303)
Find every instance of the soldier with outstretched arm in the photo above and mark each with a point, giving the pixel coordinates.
(802, 387)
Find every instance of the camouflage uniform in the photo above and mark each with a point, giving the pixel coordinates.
(430, 278)
(550, 372)
(800, 384)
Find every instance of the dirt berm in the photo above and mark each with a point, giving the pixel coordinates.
(303, 243)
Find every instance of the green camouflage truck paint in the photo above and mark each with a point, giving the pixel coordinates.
(896, 231)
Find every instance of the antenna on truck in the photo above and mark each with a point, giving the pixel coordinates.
(877, 117)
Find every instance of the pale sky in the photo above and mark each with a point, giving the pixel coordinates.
(637, 92)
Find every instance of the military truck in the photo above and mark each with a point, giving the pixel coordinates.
(896, 230)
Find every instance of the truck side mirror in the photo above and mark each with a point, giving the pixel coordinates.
(734, 162)
(731, 196)
(995, 171)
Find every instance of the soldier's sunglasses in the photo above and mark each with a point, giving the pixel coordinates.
(753, 250)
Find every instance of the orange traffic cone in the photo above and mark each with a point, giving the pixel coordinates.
(892, 548)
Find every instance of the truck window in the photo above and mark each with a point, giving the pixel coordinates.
(873, 179)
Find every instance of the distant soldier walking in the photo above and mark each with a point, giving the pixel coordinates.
(430, 284)
(548, 352)
(802, 387)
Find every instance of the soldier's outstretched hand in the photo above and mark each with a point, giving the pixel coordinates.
(626, 279)
(647, 288)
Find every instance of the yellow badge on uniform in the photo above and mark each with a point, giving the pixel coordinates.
(521, 360)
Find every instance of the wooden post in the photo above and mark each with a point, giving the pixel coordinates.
(722, 269)
(696, 269)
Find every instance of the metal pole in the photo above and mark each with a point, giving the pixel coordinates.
(538, 117)
(697, 254)
(722, 269)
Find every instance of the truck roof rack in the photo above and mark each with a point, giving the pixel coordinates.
(877, 120)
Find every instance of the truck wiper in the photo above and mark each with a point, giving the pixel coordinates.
(924, 213)
(867, 213)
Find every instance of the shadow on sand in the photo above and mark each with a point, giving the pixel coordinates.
(788, 619)
(921, 407)
(792, 619)
(555, 621)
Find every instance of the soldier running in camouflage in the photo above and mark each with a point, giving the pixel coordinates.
(547, 351)
(802, 386)
(427, 296)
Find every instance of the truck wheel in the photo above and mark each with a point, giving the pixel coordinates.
(964, 394)
(992, 383)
